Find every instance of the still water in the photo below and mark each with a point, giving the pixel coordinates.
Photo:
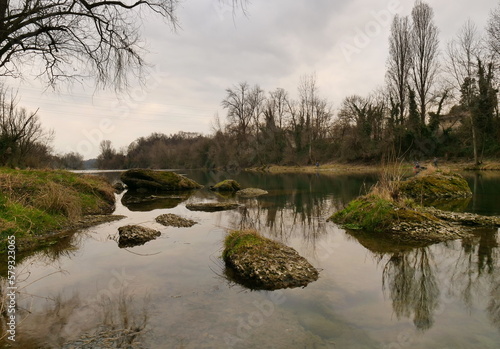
(174, 293)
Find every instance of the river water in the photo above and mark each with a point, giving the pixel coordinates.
(174, 291)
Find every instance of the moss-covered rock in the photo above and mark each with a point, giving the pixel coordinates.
(260, 263)
(135, 235)
(226, 185)
(395, 220)
(157, 180)
(435, 185)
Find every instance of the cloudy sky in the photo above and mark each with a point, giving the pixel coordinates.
(343, 42)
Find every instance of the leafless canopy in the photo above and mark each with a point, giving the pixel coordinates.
(425, 54)
(399, 62)
(67, 39)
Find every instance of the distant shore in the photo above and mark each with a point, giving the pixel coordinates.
(361, 167)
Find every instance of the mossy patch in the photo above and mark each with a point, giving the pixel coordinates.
(435, 185)
(157, 180)
(366, 212)
(227, 185)
(238, 241)
(395, 220)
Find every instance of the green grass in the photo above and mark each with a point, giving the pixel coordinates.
(36, 202)
(367, 212)
(238, 241)
(436, 185)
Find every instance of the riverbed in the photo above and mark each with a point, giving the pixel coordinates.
(173, 292)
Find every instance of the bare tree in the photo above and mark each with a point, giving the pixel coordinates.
(493, 29)
(425, 44)
(399, 63)
(462, 53)
(20, 131)
(75, 38)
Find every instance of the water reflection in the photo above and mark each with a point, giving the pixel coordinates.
(110, 320)
(411, 282)
(418, 280)
(137, 201)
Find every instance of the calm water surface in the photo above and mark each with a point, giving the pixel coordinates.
(370, 294)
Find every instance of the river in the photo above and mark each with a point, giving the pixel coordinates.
(173, 292)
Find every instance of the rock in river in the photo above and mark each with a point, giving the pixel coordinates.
(157, 180)
(170, 219)
(134, 235)
(226, 185)
(251, 192)
(260, 263)
(435, 185)
(212, 206)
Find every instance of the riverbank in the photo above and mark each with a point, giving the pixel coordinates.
(341, 167)
(39, 205)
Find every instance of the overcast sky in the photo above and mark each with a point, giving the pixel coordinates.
(343, 42)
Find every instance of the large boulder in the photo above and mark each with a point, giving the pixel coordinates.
(157, 180)
(437, 185)
(226, 185)
(134, 235)
(260, 263)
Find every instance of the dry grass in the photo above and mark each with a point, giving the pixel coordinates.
(37, 201)
(387, 187)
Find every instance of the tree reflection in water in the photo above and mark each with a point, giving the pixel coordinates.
(416, 278)
(410, 279)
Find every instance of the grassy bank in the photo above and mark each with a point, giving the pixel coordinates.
(34, 203)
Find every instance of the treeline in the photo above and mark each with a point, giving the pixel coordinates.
(432, 104)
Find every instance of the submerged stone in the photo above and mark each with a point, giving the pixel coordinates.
(157, 180)
(212, 206)
(226, 185)
(251, 192)
(170, 219)
(135, 235)
(260, 263)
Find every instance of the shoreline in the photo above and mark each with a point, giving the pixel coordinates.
(342, 168)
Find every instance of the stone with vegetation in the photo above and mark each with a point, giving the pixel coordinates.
(173, 220)
(392, 212)
(135, 235)
(149, 180)
(212, 206)
(260, 263)
(251, 192)
(229, 185)
(437, 185)
(39, 204)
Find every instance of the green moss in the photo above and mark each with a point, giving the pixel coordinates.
(367, 212)
(436, 185)
(157, 180)
(37, 202)
(373, 213)
(227, 185)
(237, 241)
